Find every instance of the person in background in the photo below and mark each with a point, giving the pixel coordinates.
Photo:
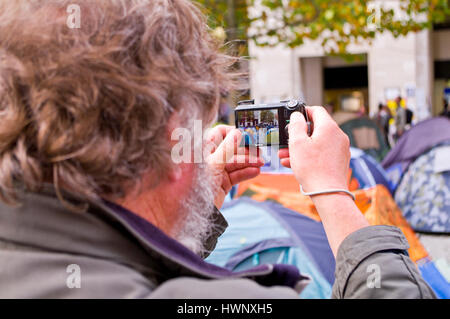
(409, 118)
(400, 118)
(382, 119)
(445, 111)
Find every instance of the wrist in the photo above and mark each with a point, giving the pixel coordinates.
(323, 186)
(340, 217)
(336, 203)
(340, 198)
(328, 192)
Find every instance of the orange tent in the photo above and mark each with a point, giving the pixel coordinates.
(375, 203)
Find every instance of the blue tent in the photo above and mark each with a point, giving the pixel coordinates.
(260, 233)
(423, 194)
(434, 277)
(367, 171)
(416, 141)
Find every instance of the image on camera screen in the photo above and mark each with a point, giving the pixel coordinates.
(259, 127)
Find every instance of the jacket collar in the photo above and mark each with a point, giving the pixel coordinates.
(175, 255)
(111, 231)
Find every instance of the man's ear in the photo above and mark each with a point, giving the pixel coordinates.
(182, 173)
(176, 173)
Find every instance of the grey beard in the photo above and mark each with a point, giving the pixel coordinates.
(197, 209)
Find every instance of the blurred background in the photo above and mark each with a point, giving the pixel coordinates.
(353, 56)
(382, 70)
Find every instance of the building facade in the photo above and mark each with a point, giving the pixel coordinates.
(415, 67)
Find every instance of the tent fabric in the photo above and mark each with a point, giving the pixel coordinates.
(424, 194)
(366, 170)
(433, 276)
(375, 203)
(258, 233)
(394, 174)
(236, 239)
(366, 135)
(313, 236)
(319, 288)
(417, 140)
(255, 249)
(280, 188)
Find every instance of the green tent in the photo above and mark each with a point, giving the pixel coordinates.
(367, 136)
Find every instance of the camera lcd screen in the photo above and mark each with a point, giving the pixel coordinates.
(259, 127)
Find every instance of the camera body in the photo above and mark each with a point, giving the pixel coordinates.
(266, 124)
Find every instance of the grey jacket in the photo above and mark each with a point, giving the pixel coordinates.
(48, 251)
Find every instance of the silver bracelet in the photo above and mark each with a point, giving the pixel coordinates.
(328, 191)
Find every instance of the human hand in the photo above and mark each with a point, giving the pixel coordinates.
(320, 161)
(230, 164)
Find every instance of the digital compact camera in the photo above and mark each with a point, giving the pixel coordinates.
(267, 124)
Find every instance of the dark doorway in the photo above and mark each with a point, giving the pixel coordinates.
(442, 69)
(345, 77)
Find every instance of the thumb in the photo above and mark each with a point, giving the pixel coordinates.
(297, 126)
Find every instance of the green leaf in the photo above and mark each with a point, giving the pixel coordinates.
(308, 19)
